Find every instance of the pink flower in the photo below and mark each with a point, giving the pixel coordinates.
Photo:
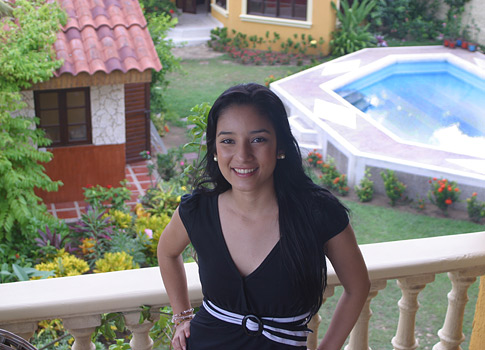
(149, 232)
(148, 153)
(182, 163)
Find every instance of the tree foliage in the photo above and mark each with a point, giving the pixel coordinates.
(26, 57)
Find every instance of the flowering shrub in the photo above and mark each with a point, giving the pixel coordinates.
(331, 177)
(420, 204)
(443, 193)
(315, 159)
(394, 188)
(365, 189)
(475, 208)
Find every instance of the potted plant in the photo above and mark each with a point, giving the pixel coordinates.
(475, 32)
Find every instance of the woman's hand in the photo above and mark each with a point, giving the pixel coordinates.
(181, 333)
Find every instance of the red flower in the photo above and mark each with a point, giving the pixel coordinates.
(17, 256)
(109, 186)
(474, 194)
(171, 11)
(448, 201)
(434, 179)
(336, 180)
(440, 189)
(449, 189)
(457, 189)
(319, 161)
(166, 128)
(89, 185)
(310, 160)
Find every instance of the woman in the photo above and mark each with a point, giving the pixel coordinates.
(261, 229)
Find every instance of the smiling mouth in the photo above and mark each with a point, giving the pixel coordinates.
(244, 171)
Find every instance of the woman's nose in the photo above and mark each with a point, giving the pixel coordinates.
(244, 151)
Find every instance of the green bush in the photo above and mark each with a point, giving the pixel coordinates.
(394, 188)
(352, 33)
(365, 189)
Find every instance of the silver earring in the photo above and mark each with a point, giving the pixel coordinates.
(281, 156)
(215, 158)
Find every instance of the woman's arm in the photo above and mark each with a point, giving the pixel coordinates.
(346, 258)
(172, 243)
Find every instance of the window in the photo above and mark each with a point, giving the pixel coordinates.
(65, 115)
(222, 3)
(292, 9)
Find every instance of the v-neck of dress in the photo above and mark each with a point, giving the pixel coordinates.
(228, 253)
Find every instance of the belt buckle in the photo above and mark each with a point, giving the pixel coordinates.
(255, 319)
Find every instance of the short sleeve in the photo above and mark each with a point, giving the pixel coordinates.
(331, 217)
(188, 209)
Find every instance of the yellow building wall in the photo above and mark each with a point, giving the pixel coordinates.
(321, 24)
(477, 340)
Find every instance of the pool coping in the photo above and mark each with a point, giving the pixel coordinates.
(356, 136)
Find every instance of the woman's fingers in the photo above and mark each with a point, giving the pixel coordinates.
(181, 333)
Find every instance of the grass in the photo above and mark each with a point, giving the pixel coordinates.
(205, 80)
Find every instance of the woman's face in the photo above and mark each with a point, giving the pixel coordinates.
(246, 148)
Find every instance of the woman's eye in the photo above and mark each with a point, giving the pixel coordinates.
(227, 141)
(259, 139)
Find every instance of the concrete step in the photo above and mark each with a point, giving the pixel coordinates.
(302, 131)
(193, 29)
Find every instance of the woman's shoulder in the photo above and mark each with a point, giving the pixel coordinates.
(329, 212)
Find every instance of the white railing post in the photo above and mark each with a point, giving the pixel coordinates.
(81, 328)
(141, 331)
(24, 329)
(312, 340)
(451, 335)
(359, 337)
(408, 307)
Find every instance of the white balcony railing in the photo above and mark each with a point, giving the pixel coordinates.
(80, 301)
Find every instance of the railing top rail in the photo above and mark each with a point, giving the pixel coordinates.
(128, 290)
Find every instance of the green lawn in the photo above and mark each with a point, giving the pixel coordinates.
(204, 80)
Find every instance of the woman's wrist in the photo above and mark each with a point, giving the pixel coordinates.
(186, 315)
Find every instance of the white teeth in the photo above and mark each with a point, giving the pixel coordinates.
(244, 171)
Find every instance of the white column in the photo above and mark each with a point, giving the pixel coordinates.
(24, 329)
(408, 307)
(141, 338)
(81, 329)
(451, 335)
(359, 337)
(312, 340)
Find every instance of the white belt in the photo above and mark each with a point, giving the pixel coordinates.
(294, 333)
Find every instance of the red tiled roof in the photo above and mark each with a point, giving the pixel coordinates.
(104, 36)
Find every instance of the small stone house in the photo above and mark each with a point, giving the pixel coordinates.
(96, 110)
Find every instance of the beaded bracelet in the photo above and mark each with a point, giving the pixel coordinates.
(183, 316)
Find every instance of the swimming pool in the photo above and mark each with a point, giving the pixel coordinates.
(322, 119)
(434, 102)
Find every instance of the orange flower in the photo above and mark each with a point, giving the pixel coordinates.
(310, 160)
(434, 179)
(166, 128)
(336, 180)
(474, 194)
(449, 189)
(457, 189)
(319, 161)
(448, 201)
(440, 189)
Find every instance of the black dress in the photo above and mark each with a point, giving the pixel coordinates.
(267, 291)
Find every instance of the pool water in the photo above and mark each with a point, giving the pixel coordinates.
(432, 102)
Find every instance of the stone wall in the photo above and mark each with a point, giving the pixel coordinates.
(474, 12)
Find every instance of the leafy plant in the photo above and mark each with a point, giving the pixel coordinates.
(14, 273)
(26, 57)
(352, 34)
(168, 164)
(50, 242)
(443, 193)
(394, 188)
(159, 23)
(475, 208)
(107, 197)
(134, 246)
(64, 264)
(117, 261)
(365, 189)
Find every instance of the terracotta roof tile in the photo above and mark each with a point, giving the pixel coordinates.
(105, 35)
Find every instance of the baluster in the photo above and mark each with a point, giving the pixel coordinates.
(451, 335)
(25, 329)
(359, 337)
(81, 329)
(408, 307)
(141, 338)
(312, 340)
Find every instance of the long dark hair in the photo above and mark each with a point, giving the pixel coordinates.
(295, 192)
